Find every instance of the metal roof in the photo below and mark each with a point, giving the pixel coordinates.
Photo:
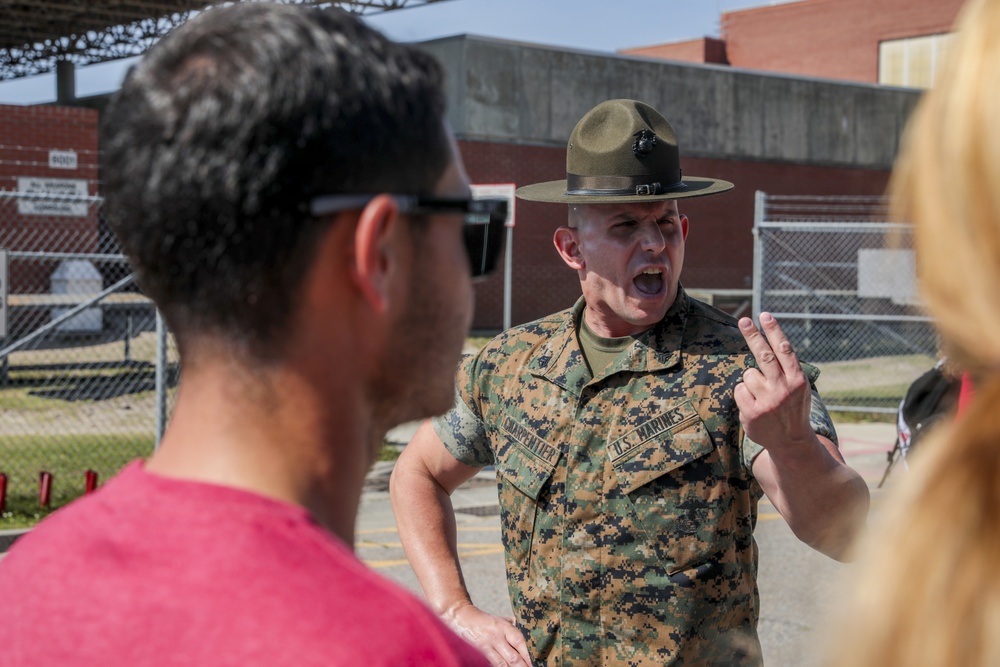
(34, 35)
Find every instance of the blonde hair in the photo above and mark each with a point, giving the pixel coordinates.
(928, 590)
(947, 181)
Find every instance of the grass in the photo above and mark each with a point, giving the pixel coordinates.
(143, 348)
(875, 382)
(67, 457)
(477, 342)
(881, 396)
(85, 393)
(843, 417)
(20, 399)
(389, 452)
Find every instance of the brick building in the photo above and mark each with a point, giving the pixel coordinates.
(46, 150)
(513, 106)
(895, 42)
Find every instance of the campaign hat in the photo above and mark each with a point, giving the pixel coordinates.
(622, 151)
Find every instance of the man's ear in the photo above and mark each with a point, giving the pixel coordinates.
(684, 226)
(376, 242)
(567, 244)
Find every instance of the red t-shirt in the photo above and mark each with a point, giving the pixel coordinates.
(157, 571)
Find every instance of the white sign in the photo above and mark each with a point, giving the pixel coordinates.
(4, 290)
(506, 190)
(50, 196)
(888, 274)
(490, 190)
(62, 159)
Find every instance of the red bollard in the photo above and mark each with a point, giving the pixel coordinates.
(44, 488)
(3, 492)
(91, 482)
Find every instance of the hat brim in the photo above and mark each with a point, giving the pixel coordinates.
(555, 192)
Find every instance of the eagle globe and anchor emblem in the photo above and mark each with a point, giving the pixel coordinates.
(645, 141)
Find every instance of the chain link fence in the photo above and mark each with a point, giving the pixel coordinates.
(86, 368)
(840, 278)
(87, 371)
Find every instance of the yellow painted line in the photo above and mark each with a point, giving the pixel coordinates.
(463, 552)
(485, 551)
(461, 529)
(377, 564)
(768, 517)
(373, 531)
(399, 545)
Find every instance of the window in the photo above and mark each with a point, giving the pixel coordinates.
(912, 61)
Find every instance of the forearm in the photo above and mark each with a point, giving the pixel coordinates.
(823, 500)
(427, 529)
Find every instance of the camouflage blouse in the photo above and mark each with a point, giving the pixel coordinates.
(627, 500)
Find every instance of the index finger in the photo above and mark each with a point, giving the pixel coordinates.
(761, 348)
(779, 343)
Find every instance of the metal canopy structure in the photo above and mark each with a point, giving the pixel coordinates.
(37, 34)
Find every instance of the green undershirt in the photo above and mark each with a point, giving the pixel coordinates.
(600, 352)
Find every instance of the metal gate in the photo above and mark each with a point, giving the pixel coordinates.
(840, 278)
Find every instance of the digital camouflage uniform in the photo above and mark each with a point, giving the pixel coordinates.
(627, 500)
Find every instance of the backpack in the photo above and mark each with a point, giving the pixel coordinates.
(931, 397)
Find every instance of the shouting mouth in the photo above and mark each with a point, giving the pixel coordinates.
(649, 282)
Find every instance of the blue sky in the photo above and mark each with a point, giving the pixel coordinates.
(595, 25)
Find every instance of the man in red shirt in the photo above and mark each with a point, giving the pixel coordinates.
(285, 186)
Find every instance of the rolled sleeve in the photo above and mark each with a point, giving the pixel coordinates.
(461, 429)
(819, 420)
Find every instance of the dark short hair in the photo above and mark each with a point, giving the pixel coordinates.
(227, 128)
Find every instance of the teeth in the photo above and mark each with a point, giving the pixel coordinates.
(652, 272)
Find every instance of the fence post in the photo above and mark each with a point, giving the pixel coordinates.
(44, 488)
(161, 377)
(90, 481)
(759, 206)
(128, 338)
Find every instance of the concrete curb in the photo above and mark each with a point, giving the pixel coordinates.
(8, 537)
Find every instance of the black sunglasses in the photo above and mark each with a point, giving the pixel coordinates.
(483, 229)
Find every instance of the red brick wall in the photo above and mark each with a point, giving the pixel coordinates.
(702, 50)
(835, 39)
(27, 133)
(720, 244)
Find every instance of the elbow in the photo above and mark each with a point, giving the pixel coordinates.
(412, 482)
(838, 547)
(836, 534)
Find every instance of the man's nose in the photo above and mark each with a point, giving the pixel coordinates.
(652, 237)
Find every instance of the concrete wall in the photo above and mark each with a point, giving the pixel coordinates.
(506, 91)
